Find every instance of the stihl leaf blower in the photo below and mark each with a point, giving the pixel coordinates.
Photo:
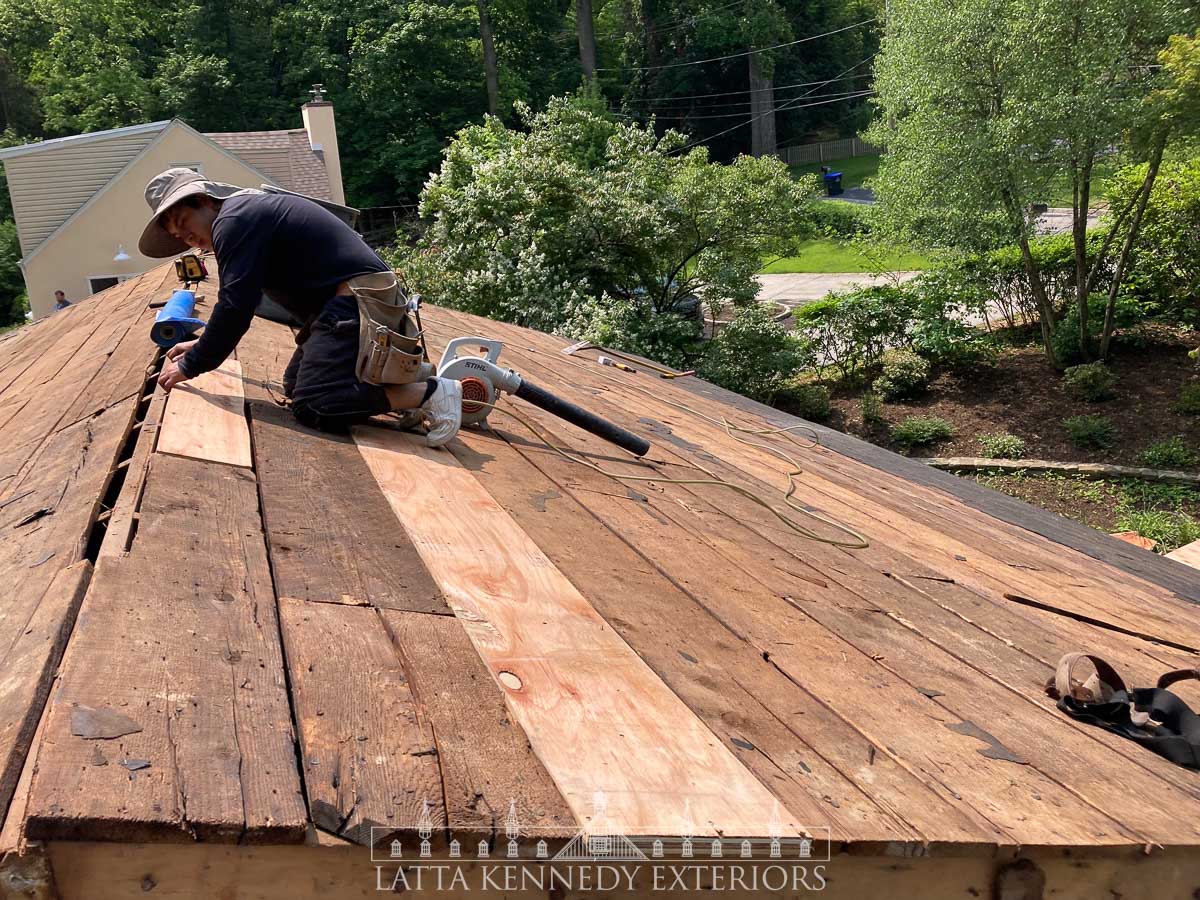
(483, 381)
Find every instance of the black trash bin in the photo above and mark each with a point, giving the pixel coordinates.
(833, 184)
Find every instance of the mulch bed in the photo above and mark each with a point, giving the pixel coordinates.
(1023, 395)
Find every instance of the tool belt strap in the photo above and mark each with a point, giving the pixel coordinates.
(1156, 718)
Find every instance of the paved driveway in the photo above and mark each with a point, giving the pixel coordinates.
(803, 287)
(1056, 220)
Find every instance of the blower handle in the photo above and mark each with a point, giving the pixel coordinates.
(564, 409)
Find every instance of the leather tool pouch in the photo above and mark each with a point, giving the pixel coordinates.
(1156, 718)
(389, 342)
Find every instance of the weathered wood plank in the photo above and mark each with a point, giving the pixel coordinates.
(182, 638)
(45, 521)
(12, 835)
(48, 512)
(264, 354)
(330, 543)
(1058, 529)
(28, 666)
(962, 547)
(123, 372)
(48, 402)
(206, 418)
(42, 351)
(327, 544)
(370, 761)
(1189, 554)
(204, 518)
(877, 636)
(485, 758)
(598, 718)
(890, 713)
(819, 766)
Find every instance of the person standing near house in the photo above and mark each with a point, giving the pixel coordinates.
(303, 257)
(60, 301)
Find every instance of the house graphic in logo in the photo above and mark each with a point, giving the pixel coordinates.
(512, 830)
(425, 829)
(602, 842)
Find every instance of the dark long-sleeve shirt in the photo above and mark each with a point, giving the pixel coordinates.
(294, 250)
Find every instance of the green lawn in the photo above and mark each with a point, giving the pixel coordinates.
(1060, 193)
(826, 255)
(855, 170)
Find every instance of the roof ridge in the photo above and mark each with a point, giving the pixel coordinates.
(86, 137)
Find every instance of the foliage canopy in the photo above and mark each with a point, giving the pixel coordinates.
(582, 224)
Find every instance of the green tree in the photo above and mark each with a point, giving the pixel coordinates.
(12, 281)
(579, 223)
(1164, 265)
(1174, 109)
(754, 355)
(985, 105)
(652, 60)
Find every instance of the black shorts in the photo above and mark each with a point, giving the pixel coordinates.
(321, 379)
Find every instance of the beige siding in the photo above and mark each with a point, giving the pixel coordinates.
(49, 186)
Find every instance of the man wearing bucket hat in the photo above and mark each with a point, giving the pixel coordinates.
(302, 256)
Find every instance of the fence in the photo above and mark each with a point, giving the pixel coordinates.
(823, 151)
(386, 224)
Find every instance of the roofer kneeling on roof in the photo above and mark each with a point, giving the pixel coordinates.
(317, 268)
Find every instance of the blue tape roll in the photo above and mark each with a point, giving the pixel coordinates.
(174, 322)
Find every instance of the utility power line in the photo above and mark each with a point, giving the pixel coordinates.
(780, 87)
(854, 95)
(704, 107)
(700, 62)
(794, 104)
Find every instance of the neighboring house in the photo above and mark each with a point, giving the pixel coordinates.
(79, 201)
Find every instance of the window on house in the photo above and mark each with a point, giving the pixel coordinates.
(98, 283)
(194, 166)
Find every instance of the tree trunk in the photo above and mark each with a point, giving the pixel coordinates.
(489, 58)
(762, 110)
(1079, 213)
(1045, 309)
(1135, 224)
(1046, 318)
(587, 38)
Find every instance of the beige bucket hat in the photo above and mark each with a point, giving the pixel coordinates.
(164, 191)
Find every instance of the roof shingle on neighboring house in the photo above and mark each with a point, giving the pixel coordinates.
(286, 157)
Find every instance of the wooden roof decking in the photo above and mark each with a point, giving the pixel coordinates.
(286, 629)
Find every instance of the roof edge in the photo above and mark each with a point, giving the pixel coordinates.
(75, 140)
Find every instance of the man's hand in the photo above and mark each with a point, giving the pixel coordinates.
(179, 349)
(171, 375)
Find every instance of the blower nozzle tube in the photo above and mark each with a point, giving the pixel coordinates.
(581, 418)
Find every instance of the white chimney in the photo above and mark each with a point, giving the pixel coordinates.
(322, 137)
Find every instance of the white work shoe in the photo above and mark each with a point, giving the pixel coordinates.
(443, 412)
